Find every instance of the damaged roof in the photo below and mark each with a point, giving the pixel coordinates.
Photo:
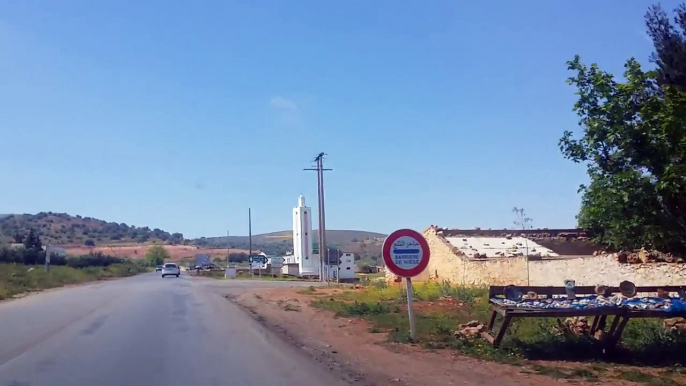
(511, 242)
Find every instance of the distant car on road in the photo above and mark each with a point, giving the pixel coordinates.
(158, 268)
(171, 269)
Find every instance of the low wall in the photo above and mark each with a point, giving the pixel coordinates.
(605, 270)
(447, 264)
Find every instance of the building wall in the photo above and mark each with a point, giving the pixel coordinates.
(347, 266)
(605, 270)
(447, 264)
(290, 269)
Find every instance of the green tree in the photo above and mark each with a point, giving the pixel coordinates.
(33, 246)
(156, 255)
(238, 257)
(633, 143)
(670, 45)
(32, 241)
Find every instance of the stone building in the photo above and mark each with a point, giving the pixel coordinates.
(540, 257)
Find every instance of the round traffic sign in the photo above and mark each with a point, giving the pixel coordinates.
(406, 253)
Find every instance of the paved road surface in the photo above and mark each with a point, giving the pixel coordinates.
(145, 331)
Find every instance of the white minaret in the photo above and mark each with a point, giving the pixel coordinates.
(302, 239)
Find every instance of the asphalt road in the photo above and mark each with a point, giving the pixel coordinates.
(146, 331)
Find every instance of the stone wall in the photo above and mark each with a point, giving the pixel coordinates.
(605, 270)
(448, 264)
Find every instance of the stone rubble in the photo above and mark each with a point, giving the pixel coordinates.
(675, 324)
(469, 330)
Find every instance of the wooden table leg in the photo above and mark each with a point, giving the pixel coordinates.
(602, 322)
(491, 321)
(617, 335)
(503, 330)
(613, 326)
(594, 325)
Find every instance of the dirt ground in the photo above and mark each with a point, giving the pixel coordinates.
(348, 346)
(176, 252)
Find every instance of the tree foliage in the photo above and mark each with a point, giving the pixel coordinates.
(156, 255)
(238, 257)
(61, 228)
(633, 142)
(670, 45)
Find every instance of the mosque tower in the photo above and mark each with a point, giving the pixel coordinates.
(308, 263)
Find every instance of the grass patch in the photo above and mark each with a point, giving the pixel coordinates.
(308, 291)
(646, 378)
(566, 373)
(17, 279)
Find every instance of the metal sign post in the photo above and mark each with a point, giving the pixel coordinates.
(410, 309)
(406, 254)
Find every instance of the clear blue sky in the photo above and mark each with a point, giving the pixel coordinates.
(181, 115)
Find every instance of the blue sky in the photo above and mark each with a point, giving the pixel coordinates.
(181, 115)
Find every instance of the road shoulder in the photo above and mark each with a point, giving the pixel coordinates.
(347, 346)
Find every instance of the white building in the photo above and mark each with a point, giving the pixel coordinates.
(347, 265)
(307, 262)
(344, 270)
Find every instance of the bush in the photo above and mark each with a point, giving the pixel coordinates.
(156, 255)
(32, 257)
(94, 260)
(89, 243)
(238, 257)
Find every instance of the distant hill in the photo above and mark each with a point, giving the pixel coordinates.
(64, 229)
(74, 232)
(362, 243)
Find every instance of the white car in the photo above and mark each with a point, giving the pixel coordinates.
(171, 269)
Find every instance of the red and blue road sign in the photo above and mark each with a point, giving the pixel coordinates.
(406, 253)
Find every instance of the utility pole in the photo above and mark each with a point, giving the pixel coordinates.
(250, 240)
(47, 258)
(323, 251)
(228, 249)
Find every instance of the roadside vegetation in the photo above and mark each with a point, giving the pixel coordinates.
(16, 279)
(441, 309)
(156, 255)
(22, 268)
